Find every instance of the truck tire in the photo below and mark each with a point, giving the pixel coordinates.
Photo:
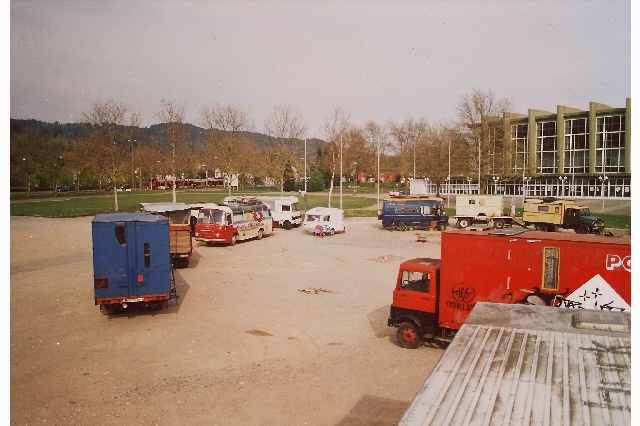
(581, 229)
(540, 226)
(234, 240)
(402, 226)
(464, 222)
(498, 223)
(107, 309)
(259, 237)
(409, 337)
(286, 225)
(331, 232)
(442, 227)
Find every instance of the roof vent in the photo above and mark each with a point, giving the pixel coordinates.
(601, 320)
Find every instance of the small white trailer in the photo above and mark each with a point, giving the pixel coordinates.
(481, 208)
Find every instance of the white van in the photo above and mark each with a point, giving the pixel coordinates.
(330, 219)
(284, 210)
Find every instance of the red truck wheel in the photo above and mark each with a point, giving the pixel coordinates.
(409, 336)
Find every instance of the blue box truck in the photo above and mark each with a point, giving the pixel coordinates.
(402, 212)
(131, 261)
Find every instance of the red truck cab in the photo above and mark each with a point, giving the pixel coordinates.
(415, 301)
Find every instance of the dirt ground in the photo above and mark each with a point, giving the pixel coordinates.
(242, 346)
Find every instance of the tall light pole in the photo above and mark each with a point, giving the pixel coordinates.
(173, 167)
(448, 180)
(378, 176)
(341, 171)
(479, 161)
(305, 168)
(414, 158)
(525, 181)
(449, 175)
(133, 184)
(496, 180)
(562, 179)
(602, 179)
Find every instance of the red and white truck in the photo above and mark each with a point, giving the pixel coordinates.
(433, 297)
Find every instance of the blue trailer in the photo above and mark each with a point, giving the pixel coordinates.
(131, 261)
(413, 211)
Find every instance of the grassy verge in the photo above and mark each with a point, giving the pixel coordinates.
(90, 204)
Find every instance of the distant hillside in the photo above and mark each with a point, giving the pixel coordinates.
(155, 132)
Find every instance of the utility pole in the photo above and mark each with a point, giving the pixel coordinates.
(341, 171)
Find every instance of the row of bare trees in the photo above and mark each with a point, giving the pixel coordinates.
(112, 147)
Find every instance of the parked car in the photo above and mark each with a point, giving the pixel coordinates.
(64, 189)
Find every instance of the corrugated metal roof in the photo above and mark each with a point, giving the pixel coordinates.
(534, 369)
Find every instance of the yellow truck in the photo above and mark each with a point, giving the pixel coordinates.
(549, 213)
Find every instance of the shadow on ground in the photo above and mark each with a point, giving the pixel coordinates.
(374, 411)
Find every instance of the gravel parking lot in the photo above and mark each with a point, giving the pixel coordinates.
(243, 345)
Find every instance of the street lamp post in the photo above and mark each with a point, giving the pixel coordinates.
(602, 179)
(448, 181)
(495, 179)
(562, 179)
(133, 181)
(525, 181)
(378, 176)
(340, 171)
(469, 182)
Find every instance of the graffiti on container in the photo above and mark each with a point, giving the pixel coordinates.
(463, 295)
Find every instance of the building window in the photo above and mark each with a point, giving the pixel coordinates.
(546, 147)
(576, 146)
(610, 141)
(519, 140)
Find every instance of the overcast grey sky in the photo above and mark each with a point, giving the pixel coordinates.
(379, 60)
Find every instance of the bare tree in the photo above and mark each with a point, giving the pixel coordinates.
(334, 130)
(433, 160)
(172, 116)
(376, 139)
(406, 136)
(286, 129)
(108, 123)
(227, 148)
(480, 128)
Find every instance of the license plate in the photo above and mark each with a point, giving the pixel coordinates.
(138, 299)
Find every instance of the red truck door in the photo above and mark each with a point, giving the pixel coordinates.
(416, 291)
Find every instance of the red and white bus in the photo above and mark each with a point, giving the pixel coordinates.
(230, 223)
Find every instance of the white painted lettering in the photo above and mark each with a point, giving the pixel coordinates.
(614, 261)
